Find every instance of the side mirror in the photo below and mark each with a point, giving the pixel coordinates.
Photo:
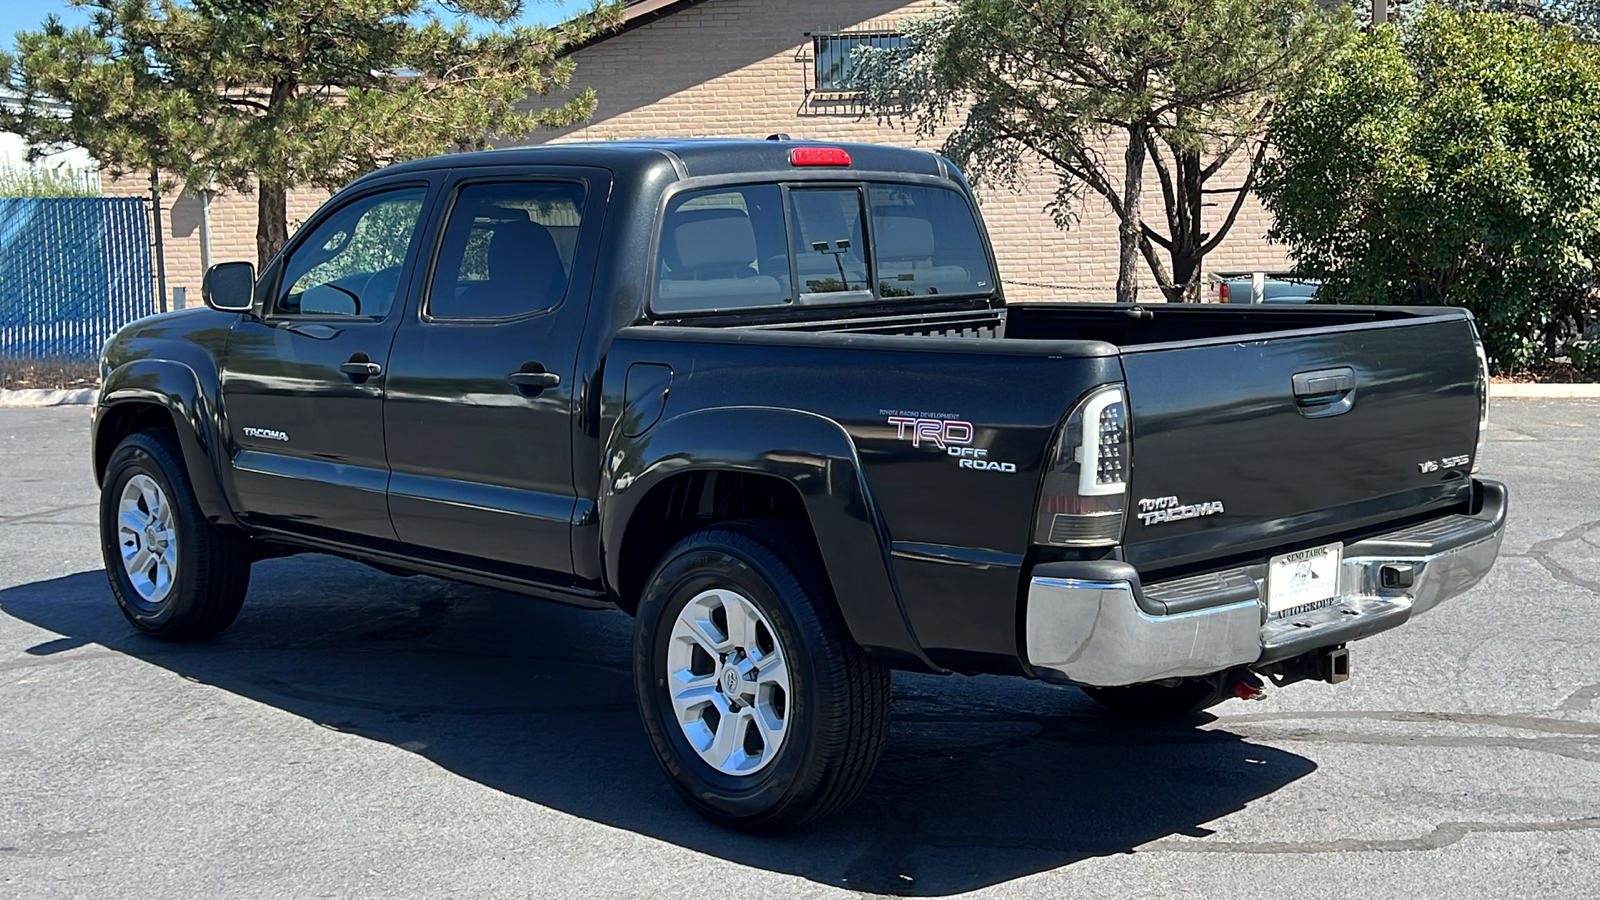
(230, 286)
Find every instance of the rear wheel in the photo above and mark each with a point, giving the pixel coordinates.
(1155, 700)
(763, 712)
(175, 575)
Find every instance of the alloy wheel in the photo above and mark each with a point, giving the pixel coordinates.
(147, 538)
(728, 682)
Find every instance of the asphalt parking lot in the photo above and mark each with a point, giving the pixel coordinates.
(360, 735)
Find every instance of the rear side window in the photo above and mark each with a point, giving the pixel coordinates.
(926, 242)
(507, 250)
(723, 249)
(760, 246)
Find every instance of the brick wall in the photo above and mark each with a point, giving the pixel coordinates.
(742, 68)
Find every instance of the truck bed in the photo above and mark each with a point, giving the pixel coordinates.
(1215, 426)
(1117, 324)
(1125, 326)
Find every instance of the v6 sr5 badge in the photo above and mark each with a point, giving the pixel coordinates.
(949, 433)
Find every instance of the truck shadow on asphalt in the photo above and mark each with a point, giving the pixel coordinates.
(985, 779)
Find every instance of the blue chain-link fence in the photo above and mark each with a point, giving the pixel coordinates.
(72, 271)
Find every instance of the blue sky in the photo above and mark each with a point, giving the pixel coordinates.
(28, 15)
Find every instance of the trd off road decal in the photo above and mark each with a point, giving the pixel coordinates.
(943, 431)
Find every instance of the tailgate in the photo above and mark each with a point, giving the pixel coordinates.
(1251, 444)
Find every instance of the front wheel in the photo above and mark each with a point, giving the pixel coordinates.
(175, 575)
(762, 711)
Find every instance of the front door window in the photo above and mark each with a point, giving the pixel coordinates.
(350, 265)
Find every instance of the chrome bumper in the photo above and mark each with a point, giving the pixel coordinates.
(1102, 630)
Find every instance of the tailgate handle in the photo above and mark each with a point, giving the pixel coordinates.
(1325, 392)
(1324, 382)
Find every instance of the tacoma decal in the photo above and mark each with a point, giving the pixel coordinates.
(1170, 509)
(266, 434)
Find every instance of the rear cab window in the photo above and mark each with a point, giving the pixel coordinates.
(766, 246)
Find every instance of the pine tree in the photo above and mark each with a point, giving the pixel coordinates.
(271, 95)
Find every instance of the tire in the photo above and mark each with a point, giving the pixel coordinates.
(196, 590)
(832, 705)
(1155, 700)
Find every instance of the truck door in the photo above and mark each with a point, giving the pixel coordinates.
(478, 418)
(303, 385)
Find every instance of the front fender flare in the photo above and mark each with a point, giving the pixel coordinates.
(810, 452)
(175, 387)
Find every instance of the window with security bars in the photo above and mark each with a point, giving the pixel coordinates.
(834, 55)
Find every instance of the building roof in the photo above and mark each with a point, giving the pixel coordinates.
(639, 12)
(644, 9)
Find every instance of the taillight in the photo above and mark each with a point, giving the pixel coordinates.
(1483, 398)
(1222, 292)
(1086, 485)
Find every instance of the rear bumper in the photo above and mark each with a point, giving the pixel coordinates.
(1095, 624)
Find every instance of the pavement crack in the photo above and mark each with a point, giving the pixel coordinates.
(67, 657)
(1541, 554)
(28, 517)
(1443, 835)
(1569, 748)
(385, 707)
(1561, 737)
(1519, 722)
(1581, 698)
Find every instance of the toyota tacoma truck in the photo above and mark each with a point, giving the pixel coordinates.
(767, 398)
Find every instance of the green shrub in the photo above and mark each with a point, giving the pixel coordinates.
(65, 181)
(1584, 354)
(1456, 161)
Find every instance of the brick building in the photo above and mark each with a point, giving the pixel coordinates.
(753, 68)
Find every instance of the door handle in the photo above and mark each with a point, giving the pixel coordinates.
(534, 380)
(361, 369)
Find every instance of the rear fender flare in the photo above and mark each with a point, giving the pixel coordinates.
(175, 387)
(813, 454)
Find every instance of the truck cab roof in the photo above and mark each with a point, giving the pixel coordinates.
(692, 157)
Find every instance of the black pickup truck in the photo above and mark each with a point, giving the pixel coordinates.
(767, 397)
